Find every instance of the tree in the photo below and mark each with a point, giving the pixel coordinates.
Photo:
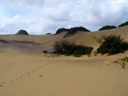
(107, 27)
(61, 30)
(22, 32)
(123, 24)
(75, 30)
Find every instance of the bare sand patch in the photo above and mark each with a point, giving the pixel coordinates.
(26, 75)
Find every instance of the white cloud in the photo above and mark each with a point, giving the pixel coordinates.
(42, 16)
(22, 3)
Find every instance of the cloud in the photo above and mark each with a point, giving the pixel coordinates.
(22, 3)
(43, 16)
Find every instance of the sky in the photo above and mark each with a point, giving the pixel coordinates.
(46, 16)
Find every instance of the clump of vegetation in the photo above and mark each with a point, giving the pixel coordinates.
(123, 24)
(95, 53)
(112, 45)
(123, 62)
(48, 33)
(107, 27)
(61, 30)
(75, 30)
(3, 41)
(22, 32)
(68, 48)
(45, 51)
(71, 31)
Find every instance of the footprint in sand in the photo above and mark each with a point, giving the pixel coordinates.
(34, 70)
(3, 82)
(21, 76)
(37, 68)
(12, 80)
(1, 85)
(42, 66)
(29, 73)
(40, 75)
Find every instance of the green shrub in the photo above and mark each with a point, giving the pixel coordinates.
(61, 30)
(68, 48)
(112, 45)
(123, 62)
(123, 24)
(48, 33)
(62, 46)
(75, 30)
(107, 27)
(71, 31)
(45, 51)
(22, 32)
(81, 50)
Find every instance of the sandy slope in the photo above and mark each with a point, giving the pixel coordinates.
(38, 75)
(26, 75)
(84, 38)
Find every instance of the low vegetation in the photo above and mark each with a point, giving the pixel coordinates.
(107, 27)
(61, 30)
(123, 24)
(22, 32)
(48, 33)
(123, 62)
(68, 48)
(3, 41)
(112, 45)
(45, 51)
(71, 31)
(75, 30)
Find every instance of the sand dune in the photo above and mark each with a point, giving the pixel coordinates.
(26, 75)
(84, 38)
(39, 75)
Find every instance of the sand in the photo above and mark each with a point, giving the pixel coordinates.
(23, 74)
(26, 75)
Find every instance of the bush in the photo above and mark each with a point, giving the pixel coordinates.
(112, 45)
(45, 51)
(107, 27)
(75, 30)
(123, 24)
(68, 48)
(61, 30)
(81, 50)
(71, 31)
(22, 32)
(123, 62)
(48, 33)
